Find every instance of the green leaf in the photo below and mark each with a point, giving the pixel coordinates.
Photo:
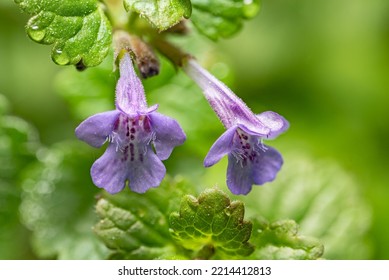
(222, 18)
(320, 196)
(280, 241)
(18, 144)
(212, 224)
(135, 226)
(161, 13)
(58, 203)
(324, 200)
(79, 30)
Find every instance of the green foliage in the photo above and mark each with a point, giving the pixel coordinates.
(280, 241)
(18, 144)
(212, 224)
(161, 13)
(79, 30)
(222, 18)
(58, 204)
(88, 92)
(147, 226)
(323, 200)
(135, 226)
(299, 61)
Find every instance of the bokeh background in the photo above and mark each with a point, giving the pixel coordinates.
(322, 64)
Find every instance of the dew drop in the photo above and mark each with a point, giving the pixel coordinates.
(60, 57)
(36, 34)
(250, 8)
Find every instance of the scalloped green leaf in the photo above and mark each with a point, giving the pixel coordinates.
(212, 226)
(222, 18)
(58, 203)
(135, 226)
(281, 241)
(79, 30)
(163, 14)
(324, 199)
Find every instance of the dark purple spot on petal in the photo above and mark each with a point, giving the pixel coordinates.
(132, 150)
(125, 153)
(132, 137)
(146, 124)
(116, 124)
(245, 137)
(141, 157)
(132, 130)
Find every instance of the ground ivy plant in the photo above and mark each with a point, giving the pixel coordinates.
(130, 207)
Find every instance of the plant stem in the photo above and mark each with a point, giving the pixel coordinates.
(170, 51)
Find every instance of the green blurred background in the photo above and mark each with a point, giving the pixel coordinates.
(322, 64)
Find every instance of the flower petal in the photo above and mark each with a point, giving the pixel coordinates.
(267, 166)
(262, 132)
(109, 172)
(221, 147)
(147, 173)
(242, 175)
(239, 179)
(168, 134)
(275, 122)
(95, 129)
(130, 94)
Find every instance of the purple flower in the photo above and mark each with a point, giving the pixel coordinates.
(249, 160)
(133, 131)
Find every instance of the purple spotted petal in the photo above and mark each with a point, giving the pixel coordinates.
(130, 95)
(168, 134)
(275, 122)
(221, 147)
(95, 129)
(109, 172)
(146, 174)
(241, 176)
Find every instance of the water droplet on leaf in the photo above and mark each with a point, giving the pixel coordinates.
(251, 8)
(60, 57)
(36, 34)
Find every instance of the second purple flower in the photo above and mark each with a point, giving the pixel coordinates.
(250, 162)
